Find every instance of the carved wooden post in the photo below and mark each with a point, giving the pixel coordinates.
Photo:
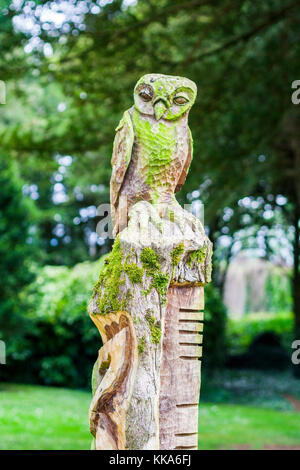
(180, 369)
(148, 303)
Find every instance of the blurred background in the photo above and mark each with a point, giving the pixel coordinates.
(69, 68)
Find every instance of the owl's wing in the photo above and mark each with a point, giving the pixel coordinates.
(187, 163)
(122, 150)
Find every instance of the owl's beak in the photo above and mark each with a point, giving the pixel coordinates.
(159, 109)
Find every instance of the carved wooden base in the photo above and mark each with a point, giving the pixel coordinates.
(180, 372)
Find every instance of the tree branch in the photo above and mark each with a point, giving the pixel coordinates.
(244, 37)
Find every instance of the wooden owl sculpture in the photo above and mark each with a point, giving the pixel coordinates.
(148, 302)
(153, 145)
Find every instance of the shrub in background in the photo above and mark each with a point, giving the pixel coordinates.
(61, 346)
(242, 332)
(278, 289)
(264, 353)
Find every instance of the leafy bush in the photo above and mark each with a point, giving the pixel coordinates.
(242, 332)
(62, 343)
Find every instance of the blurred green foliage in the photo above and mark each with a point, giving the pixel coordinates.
(18, 249)
(241, 332)
(278, 289)
(61, 342)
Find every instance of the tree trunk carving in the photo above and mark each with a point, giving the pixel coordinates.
(148, 302)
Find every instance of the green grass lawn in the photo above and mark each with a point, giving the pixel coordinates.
(34, 417)
(233, 426)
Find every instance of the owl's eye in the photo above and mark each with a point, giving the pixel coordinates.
(146, 95)
(180, 100)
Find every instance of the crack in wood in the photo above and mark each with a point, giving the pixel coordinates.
(186, 447)
(190, 310)
(183, 320)
(185, 405)
(189, 357)
(189, 332)
(190, 344)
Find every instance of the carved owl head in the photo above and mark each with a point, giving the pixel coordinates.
(164, 96)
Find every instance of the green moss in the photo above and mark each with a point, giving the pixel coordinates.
(176, 254)
(134, 273)
(109, 282)
(155, 329)
(160, 281)
(141, 345)
(197, 256)
(150, 259)
(112, 277)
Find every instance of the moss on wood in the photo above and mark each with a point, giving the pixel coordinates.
(160, 281)
(197, 256)
(110, 279)
(176, 254)
(134, 272)
(150, 260)
(155, 329)
(141, 344)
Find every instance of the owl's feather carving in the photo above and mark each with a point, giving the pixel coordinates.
(122, 150)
